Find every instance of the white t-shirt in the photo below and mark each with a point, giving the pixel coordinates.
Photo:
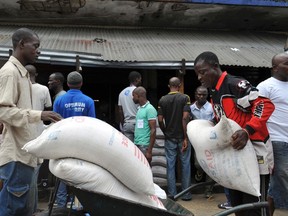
(40, 99)
(276, 91)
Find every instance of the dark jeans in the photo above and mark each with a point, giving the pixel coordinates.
(14, 196)
(238, 198)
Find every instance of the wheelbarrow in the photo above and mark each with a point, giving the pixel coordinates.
(99, 204)
(103, 205)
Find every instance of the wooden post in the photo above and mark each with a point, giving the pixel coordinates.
(78, 66)
(181, 74)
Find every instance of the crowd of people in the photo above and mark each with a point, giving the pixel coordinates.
(261, 111)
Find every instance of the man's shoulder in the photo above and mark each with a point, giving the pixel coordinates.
(268, 81)
(8, 69)
(126, 91)
(193, 105)
(40, 86)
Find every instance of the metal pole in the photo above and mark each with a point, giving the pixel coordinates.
(243, 207)
(193, 186)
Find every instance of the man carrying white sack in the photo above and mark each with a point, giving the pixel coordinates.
(236, 98)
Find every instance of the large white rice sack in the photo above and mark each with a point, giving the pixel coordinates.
(95, 141)
(235, 169)
(88, 176)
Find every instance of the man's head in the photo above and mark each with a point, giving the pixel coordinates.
(280, 66)
(207, 69)
(74, 80)
(174, 84)
(135, 78)
(25, 45)
(56, 81)
(201, 95)
(139, 95)
(32, 72)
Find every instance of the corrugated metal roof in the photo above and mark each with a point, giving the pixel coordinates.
(254, 49)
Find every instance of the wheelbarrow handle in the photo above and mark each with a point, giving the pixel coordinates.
(192, 187)
(243, 207)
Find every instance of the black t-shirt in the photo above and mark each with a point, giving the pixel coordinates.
(172, 106)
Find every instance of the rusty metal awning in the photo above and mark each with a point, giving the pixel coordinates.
(148, 47)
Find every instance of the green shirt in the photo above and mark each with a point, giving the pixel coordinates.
(142, 130)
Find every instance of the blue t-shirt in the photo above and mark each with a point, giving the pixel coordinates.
(74, 103)
(142, 130)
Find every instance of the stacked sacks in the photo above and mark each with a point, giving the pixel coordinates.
(235, 169)
(158, 162)
(85, 175)
(97, 142)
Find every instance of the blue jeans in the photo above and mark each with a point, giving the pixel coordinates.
(14, 196)
(61, 197)
(172, 149)
(278, 188)
(227, 194)
(34, 189)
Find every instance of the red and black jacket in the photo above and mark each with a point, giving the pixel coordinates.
(239, 100)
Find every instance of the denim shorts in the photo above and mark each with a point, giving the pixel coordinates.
(278, 188)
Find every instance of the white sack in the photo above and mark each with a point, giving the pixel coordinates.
(95, 141)
(235, 169)
(88, 176)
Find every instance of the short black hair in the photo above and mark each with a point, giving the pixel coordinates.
(59, 76)
(22, 34)
(208, 57)
(74, 78)
(133, 75)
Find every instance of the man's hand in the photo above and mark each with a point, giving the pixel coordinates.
(50, 116)
(239, 139)
(148, 156)
(184, 145)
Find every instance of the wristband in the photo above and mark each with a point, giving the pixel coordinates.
(246, 131)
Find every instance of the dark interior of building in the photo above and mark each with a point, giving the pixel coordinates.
(104, 84)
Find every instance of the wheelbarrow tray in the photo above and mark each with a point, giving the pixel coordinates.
(98, 204)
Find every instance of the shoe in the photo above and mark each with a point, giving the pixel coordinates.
(208, 194)
(225, 205)
(199, 177)
(186, 199)
(68, 205)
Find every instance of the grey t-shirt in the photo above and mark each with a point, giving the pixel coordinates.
(126, 101)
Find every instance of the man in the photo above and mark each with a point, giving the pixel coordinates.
(16, 113)
(202, 109)
(173, 116)
(237, 99)
(41, 100)
(55, 84)
(145, 127)
(275, 88)
(40, 93)
(127, 109)
(72, 103)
